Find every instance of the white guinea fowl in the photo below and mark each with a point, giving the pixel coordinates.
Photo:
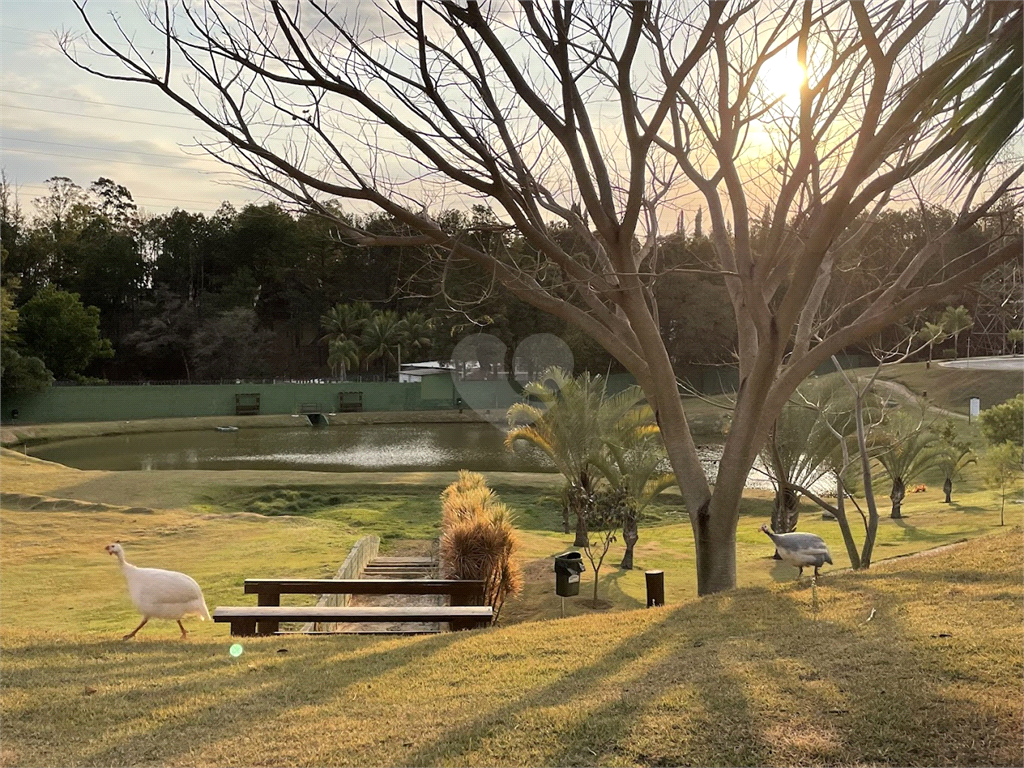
(160, 594)
(800, 550)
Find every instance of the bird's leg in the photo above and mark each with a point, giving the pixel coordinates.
(816, 571)
(184, 634)
(131, 634)
(800, 572)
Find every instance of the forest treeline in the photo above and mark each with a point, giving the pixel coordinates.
(95, 289)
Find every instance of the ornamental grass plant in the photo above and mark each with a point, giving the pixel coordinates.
(478, 539)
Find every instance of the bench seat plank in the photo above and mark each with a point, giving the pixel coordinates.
(364, 587)
(243, 619)
(364, 613)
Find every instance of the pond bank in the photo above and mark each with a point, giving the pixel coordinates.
(14, 435)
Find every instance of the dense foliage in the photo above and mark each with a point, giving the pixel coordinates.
(256, 292)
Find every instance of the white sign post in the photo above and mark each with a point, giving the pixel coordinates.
(975, 409)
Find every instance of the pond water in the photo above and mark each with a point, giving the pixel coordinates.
(349, 448)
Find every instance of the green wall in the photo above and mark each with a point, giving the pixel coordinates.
(161, 401)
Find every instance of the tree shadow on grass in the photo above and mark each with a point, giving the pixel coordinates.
(111, 683)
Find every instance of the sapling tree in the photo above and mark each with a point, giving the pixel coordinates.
(604, 512)
(1002, 468)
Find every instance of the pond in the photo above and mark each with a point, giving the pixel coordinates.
(350, 448)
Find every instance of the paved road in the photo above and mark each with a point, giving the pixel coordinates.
(1005, 363)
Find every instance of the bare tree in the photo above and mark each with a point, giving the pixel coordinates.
(602, 117)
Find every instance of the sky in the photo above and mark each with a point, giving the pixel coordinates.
(57, 120)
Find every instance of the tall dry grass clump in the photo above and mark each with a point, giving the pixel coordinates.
(478, 540)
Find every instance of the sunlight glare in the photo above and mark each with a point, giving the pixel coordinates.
(782, 76)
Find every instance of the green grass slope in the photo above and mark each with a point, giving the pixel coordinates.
(917, 662)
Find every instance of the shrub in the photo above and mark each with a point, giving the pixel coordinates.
(1004, 423)
(478, 540)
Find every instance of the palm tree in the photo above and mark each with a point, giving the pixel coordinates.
(988, 71)
(953, 456)
(1014, 336)
(956, 320)
(931, 334)
(344, 322)
(909, 451)
(570, 425)
(802, 447)
(343, 353)
(382, 334)
(635, 461)
(418, 329)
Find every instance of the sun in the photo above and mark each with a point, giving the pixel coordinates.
(782, 77)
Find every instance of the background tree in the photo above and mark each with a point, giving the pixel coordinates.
(1014, 337)
(18, 372)
(62, 332)
(1002, 471)
(343, 355)
(907, 449)
(932, 334)
(164, 337)
(953, 456)
(800, 449)
(382, 335)
(1004, 423)
(635, 462)
(686, 92)
(230, 345)
(956, 320)
(572, 424)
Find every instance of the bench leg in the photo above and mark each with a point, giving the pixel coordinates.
(243, 627)
(267, 627)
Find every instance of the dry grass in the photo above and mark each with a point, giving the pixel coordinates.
(753, 677)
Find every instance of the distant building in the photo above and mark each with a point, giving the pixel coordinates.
(415, 372)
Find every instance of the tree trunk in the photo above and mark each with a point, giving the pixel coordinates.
(581, 532)
(716, 555)
(898, 493)
(565, 518)
(947, 488)
(630, 535)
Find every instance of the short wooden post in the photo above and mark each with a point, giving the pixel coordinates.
(269, 626)
(655, 587)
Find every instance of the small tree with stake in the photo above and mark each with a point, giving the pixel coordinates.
(605, 510)
(1002, 466)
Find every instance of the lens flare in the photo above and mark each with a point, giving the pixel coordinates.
(236, 650)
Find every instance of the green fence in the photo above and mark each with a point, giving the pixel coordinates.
(162, 401)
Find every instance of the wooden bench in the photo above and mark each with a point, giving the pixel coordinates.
(247, 404)
(350, 402)
(464, 612)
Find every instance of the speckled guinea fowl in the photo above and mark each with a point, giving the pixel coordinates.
(800, 550)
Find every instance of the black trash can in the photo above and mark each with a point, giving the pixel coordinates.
(568, 567)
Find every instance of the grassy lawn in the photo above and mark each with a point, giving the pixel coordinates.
(952, 388)
(917, 662)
